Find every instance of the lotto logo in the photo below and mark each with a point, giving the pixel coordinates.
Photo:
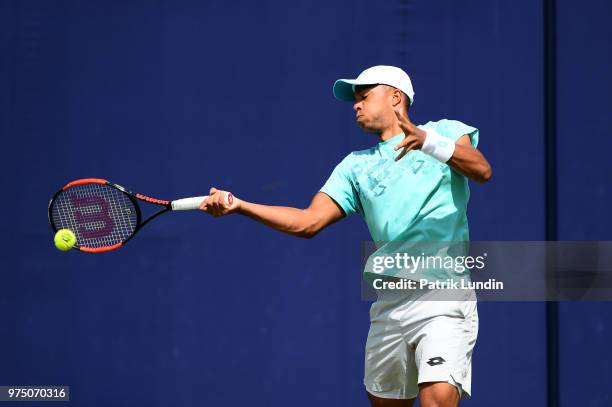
(435, 361)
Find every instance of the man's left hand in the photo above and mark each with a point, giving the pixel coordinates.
(413, 136)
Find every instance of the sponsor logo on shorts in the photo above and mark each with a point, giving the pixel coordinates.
(435, 361)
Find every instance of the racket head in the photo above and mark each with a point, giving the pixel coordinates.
(102, 215)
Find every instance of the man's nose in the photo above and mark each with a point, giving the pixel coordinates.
(357, 106)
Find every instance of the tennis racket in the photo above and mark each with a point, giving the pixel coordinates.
(104, 216)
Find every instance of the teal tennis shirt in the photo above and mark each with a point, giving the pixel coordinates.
(417, 198)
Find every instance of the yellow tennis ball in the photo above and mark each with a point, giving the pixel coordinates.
(64, 239)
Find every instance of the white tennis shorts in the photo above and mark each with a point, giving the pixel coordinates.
(417, 341)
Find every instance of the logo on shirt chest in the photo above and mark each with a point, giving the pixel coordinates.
(383, 173)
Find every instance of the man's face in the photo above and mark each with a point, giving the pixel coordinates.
(374, 108)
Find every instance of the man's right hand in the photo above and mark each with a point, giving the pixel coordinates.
(220, 203)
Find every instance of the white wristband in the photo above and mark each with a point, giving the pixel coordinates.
(440, 148)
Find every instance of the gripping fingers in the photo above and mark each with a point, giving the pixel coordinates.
(218, 202)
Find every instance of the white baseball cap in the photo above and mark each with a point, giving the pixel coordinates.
(344, 89)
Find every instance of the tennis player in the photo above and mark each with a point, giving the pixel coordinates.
(412, 185)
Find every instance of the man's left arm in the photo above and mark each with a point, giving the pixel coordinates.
(464, 158)
(469, 161)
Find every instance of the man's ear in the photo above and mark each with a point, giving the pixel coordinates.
(397, 98)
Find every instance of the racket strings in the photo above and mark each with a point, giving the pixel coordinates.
(98, 214)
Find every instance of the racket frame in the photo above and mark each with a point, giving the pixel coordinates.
(133, 197)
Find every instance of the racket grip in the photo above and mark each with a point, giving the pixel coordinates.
(188, 204)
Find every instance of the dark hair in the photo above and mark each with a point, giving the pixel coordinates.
(406, 103)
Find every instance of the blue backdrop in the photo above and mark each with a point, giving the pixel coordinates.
(172, 97)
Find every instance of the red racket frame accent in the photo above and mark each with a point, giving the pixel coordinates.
(101, 249)
(153, 200)
(85, 181)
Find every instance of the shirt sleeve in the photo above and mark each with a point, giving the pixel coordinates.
(340, 187)
(454, 129)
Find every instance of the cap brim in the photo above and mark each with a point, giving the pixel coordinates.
(343, 89)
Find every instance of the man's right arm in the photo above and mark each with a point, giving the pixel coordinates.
(306, 223)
